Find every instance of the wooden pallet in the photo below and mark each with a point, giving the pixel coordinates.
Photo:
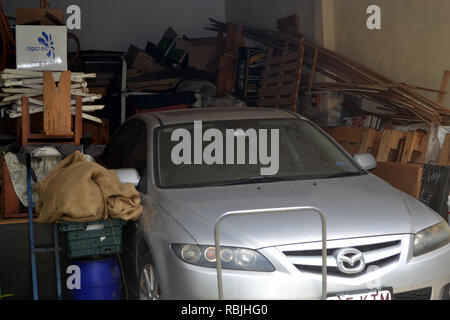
(405, 147)
(390, 145)
(11, 207)
(281, 80)
(415, 147)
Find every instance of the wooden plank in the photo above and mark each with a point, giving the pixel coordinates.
(10, 201)
(25, 122)
(346, 134)
(389, 141)
(444, 155)
(57, 115)
(78, 126)
(277, 90)
(285, 78)
(370, 141)
(274, 102)
(280, 69)
(404, 176)
(283, 58)
(415, 147)
(13, 221)
(313, 69)
(444, 83)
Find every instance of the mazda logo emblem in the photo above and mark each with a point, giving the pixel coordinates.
(350, 260)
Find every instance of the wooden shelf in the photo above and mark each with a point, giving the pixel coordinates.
(13, 221)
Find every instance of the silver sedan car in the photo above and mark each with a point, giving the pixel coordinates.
(380, 242)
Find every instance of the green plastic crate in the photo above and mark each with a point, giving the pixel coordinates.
(89, 234)
(96, 242)
(95, 251)
(92, 238)
(75, 226)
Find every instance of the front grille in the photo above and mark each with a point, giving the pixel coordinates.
(333, 271)
(376, 254)
(420, 294)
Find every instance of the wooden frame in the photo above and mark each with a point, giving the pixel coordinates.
(10, 201)
(26, 137)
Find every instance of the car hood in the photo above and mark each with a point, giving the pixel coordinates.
(358, 206)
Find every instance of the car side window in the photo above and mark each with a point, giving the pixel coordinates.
(136, 155)
(123, 140)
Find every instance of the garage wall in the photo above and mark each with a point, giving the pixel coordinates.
(114, 24)
(264, 13)
(412, 46)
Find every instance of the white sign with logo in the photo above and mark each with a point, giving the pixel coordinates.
(41, 47)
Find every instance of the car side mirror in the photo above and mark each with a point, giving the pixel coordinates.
(366, 161)
(128, 175)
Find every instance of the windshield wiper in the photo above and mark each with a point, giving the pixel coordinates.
(342, 174)
(256, 179)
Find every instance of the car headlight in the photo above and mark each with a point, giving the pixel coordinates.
(431, 238)
(231, 257)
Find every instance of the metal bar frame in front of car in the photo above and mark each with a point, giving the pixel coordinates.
(272, 211)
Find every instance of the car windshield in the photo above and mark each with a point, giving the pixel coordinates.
(192, 155)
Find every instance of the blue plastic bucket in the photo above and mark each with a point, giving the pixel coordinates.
(100, 280)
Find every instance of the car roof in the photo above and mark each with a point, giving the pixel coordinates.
(211, 114)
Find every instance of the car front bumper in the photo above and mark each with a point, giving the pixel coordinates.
(287, 282)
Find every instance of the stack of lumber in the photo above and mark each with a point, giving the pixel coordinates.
(17, 83)
(403, 102)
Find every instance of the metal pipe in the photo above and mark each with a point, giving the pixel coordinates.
(272, 211)
(31, 229)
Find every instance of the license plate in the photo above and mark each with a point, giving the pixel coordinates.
(367, 295)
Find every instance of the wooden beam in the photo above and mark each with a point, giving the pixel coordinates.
(313, 69)
(57, 117)
(444, 83)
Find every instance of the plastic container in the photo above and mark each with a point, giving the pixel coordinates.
(100, 280)
(101, 237)
(323, 107)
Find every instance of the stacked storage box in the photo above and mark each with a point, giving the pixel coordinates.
(103, 237)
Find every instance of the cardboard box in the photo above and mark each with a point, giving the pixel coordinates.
(173, 48)
(204, 54)
(33, 15)
(41, 47)
(404, 176)
(140, 60)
